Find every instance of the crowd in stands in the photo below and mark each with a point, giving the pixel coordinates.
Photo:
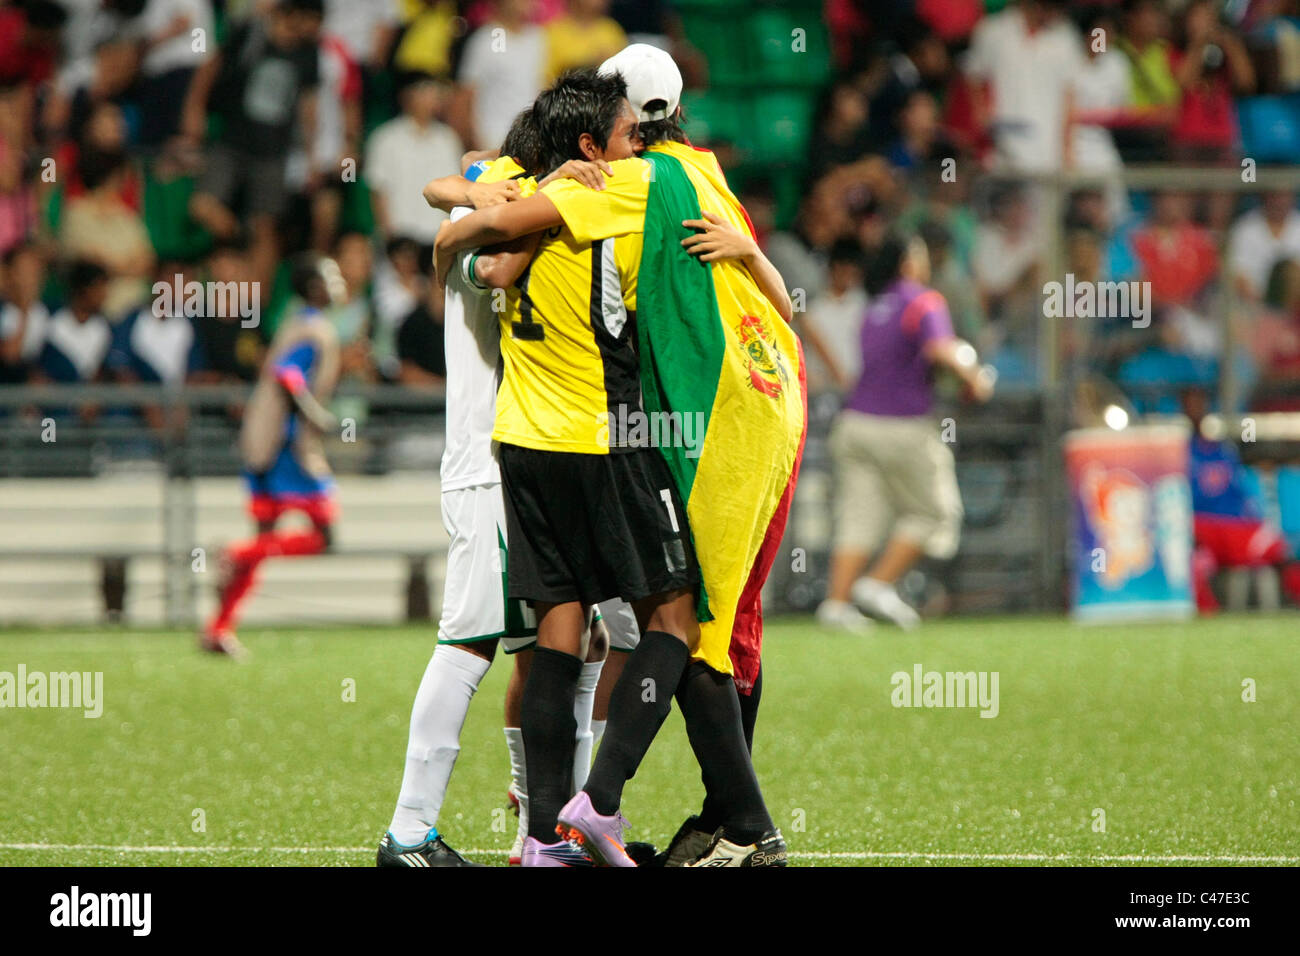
(141, 140)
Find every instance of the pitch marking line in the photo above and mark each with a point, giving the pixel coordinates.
(812, 855)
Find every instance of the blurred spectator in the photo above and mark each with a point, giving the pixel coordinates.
(832, 325)
(1008, 249)
(432, 27)
(17, 197)
(422, 361)
(802, 254)
(100, 226)
(952, 20)
(501, 71)
(1275, 341)
(404, 154)
(920, 141)
(1101, 99)
(1024, 61)
(841, 134)
(840, 131)
(920, 63)
(316, 166)
(944, 201)
(366, 28)
(584, 35)
(1175, 255)
(353, 317)
(171, 31)
(232, 353)
(400, 287)
(1259, 239)
(1211, 66)
(103, 133)
(78, 337)
(1154, 92)
(155, 344)
(23, 316)
(656, 22)
(1145, 42)
(29, 42)
(952, 279)
(262, 86)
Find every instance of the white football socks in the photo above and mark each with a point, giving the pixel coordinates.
(518, 781)
(597, 732)
(441, 703)
(583, 702)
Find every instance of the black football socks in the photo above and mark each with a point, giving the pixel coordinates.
(549, 730)
(638, 706)
(710, 817)
(711, 710)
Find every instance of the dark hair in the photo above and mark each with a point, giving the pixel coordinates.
(523, 144)
(82, 274)
(306, 278)
(670, 128)
(22, 247)
(846, 250)
(885, 264)
(581, 101)
(98, 166)
(303, 6)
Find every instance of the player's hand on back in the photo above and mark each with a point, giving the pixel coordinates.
(590, 174)
(717, 239)
(482, 195)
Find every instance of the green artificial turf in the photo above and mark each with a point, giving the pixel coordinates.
(1144, 722)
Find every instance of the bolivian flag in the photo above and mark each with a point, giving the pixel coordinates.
(710, 340)
(710, 343)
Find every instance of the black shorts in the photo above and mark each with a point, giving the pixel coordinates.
(591, 527)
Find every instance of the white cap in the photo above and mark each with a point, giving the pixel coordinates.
(651, 75)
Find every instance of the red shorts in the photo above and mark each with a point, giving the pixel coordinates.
(321, 509)
(1239, 542)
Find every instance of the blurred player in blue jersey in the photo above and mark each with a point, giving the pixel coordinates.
(1230, 530)
(280, 444)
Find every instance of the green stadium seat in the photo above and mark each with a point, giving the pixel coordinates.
(722, 40)
(782, 126)
(716, 116)
(790, 48)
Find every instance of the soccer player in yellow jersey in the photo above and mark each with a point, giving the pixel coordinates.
(592, 513)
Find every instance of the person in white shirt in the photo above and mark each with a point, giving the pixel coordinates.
(1101, 94)
(404, 154)
(833, 322)
(1024, 61)
(1259, 239)
(501, 72)
(23, 317)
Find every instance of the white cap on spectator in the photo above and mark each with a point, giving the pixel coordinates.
(651, 75)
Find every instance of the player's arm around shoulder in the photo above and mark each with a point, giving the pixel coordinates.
(500, 267)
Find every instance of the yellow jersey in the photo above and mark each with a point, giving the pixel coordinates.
(568, 345)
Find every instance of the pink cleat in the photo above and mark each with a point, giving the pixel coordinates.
(599, 835)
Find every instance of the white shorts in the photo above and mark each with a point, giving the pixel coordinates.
(474, 603)
(619, 620)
